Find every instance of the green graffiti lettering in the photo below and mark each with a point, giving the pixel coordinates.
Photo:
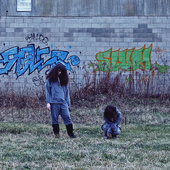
(162, 69)
(127, 60)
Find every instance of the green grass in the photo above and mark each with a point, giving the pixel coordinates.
(33, 146)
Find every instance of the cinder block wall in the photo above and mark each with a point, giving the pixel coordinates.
(32, 42)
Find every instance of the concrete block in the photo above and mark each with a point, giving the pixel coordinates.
(117, 45)
(52, 25)
(43, 30)
(132, 25)
(115, 26)
(2, 19)
(68, 39)
(12, 43)
(120, 30)
(10, 20)
(151, 25)
(105, 25)
(82, 34)
(128, 30)
(46, 19)
(82, 20)
(142, 30)
(157, 39)
(140, 39)
(85, 39)
(19, 20)
(166, 39)
(156, 30)
(101, 44)
(73, 25)
(96, 26)
(18, 39)
(101, 34)
(87, 26)
(2, 34)
(3, 39)
(125, 35)
(128, 39)
(2, 29)
(72, 44)
(13, 25)
(37, 20)
(131, 45)
(27, 20)
(22, 24)
(144, 35)
(160, 44)
(128, 20)
(119, 20)
(161, 25)
(142, 25)
(118, 40)
(31, 30)
(73, 29)
(9, 29)
(19, 34)
(58, 34)
(18, 29)
(68, 34)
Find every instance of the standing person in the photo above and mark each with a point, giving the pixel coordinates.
(58, 99)
(112, 117)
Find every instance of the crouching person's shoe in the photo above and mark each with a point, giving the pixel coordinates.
(70, 130)
(114, 136)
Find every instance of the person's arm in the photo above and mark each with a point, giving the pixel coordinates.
(68, 97)
(48, 92)
(119, 117)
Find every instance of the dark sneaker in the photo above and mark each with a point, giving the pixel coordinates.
(114, 137)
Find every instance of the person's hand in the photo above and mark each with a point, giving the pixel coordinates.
(69, 108)
(108, 135)
(48, 106)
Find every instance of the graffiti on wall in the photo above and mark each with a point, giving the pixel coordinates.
(127, 60)
(33, 37)
(38, 80)
(29, 58)
(161, 64)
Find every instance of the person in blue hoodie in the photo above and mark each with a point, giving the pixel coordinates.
(58, 99)
(112, 117)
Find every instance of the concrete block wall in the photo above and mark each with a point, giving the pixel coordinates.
(81, 38)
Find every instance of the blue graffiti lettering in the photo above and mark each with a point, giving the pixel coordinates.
(41, 52)
(9, 62)
(74, 60)
(58, 57)
(27, 58)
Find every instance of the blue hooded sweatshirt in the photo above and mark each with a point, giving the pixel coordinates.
(55, 93)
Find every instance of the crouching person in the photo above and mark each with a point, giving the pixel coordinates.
(112, 117)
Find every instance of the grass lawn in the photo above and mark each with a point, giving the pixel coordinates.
(33, 146)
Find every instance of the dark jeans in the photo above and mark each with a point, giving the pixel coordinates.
(60, 109)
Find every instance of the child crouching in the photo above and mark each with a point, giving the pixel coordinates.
(112, 117)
